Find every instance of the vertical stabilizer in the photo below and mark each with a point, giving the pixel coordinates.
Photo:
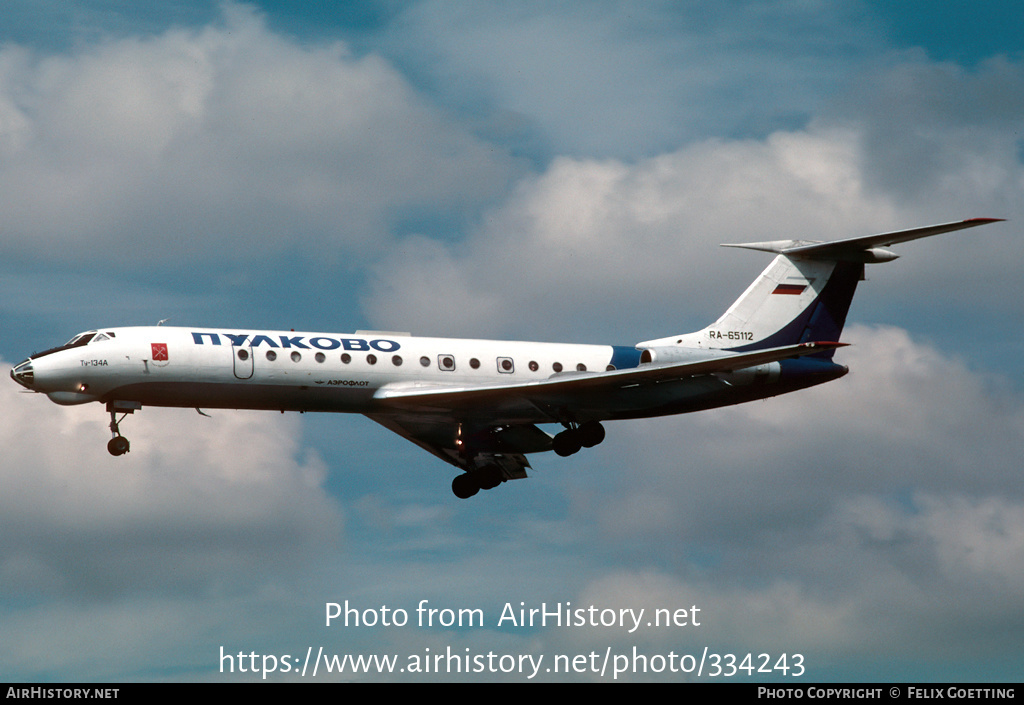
(794, 300)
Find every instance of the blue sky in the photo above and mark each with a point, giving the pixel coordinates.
(555, 171)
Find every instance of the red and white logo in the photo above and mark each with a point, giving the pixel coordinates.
(159, 352)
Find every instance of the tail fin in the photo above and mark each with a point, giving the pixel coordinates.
(804, 294)
(794, 300)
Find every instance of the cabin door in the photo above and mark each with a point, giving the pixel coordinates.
(243, 361)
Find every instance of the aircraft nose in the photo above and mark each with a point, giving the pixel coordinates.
(23, 374)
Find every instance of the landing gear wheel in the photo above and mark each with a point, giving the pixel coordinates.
(465, 485)
(591, 433)
(118, 445)
(489, 477)
(566, 443)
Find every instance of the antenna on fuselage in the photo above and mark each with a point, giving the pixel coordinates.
(162, 321)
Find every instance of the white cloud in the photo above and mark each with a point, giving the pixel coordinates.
(149, 561)
(606, 243)
(630, 248)
(881, 513)
(941, 580)
(967, 543)
(196, 504)
(907, 417)
(923, 122)
(223, 141)
(619, 79)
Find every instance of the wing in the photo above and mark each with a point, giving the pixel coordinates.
(526, 398)
(473, 427)
(470, 445)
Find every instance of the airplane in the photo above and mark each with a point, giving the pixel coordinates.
(479, 404)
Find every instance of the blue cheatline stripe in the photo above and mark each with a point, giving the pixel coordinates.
(624, 357)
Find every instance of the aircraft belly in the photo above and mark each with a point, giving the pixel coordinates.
(672, 397)
(228, 395)
(710, 392)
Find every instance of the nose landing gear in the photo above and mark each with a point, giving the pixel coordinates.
(118, 444)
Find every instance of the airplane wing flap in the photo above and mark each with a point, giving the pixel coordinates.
(429, 436)
(503, 446)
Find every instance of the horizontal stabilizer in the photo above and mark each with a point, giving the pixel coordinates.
(858, 249)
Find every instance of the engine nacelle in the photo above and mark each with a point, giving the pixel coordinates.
(759, 374)
(668, 354)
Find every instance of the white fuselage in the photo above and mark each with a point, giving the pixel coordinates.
(302, 371)
(293, 371)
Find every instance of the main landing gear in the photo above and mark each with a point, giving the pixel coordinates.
(118, 444)
(569, 441)
(575, 437)
(469, 483)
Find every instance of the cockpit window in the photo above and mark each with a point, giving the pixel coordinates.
(76, 342)
(80, 339)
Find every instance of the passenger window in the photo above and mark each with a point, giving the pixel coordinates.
(505, 365)
(557, 367)
(446, 363)
(271, 355)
